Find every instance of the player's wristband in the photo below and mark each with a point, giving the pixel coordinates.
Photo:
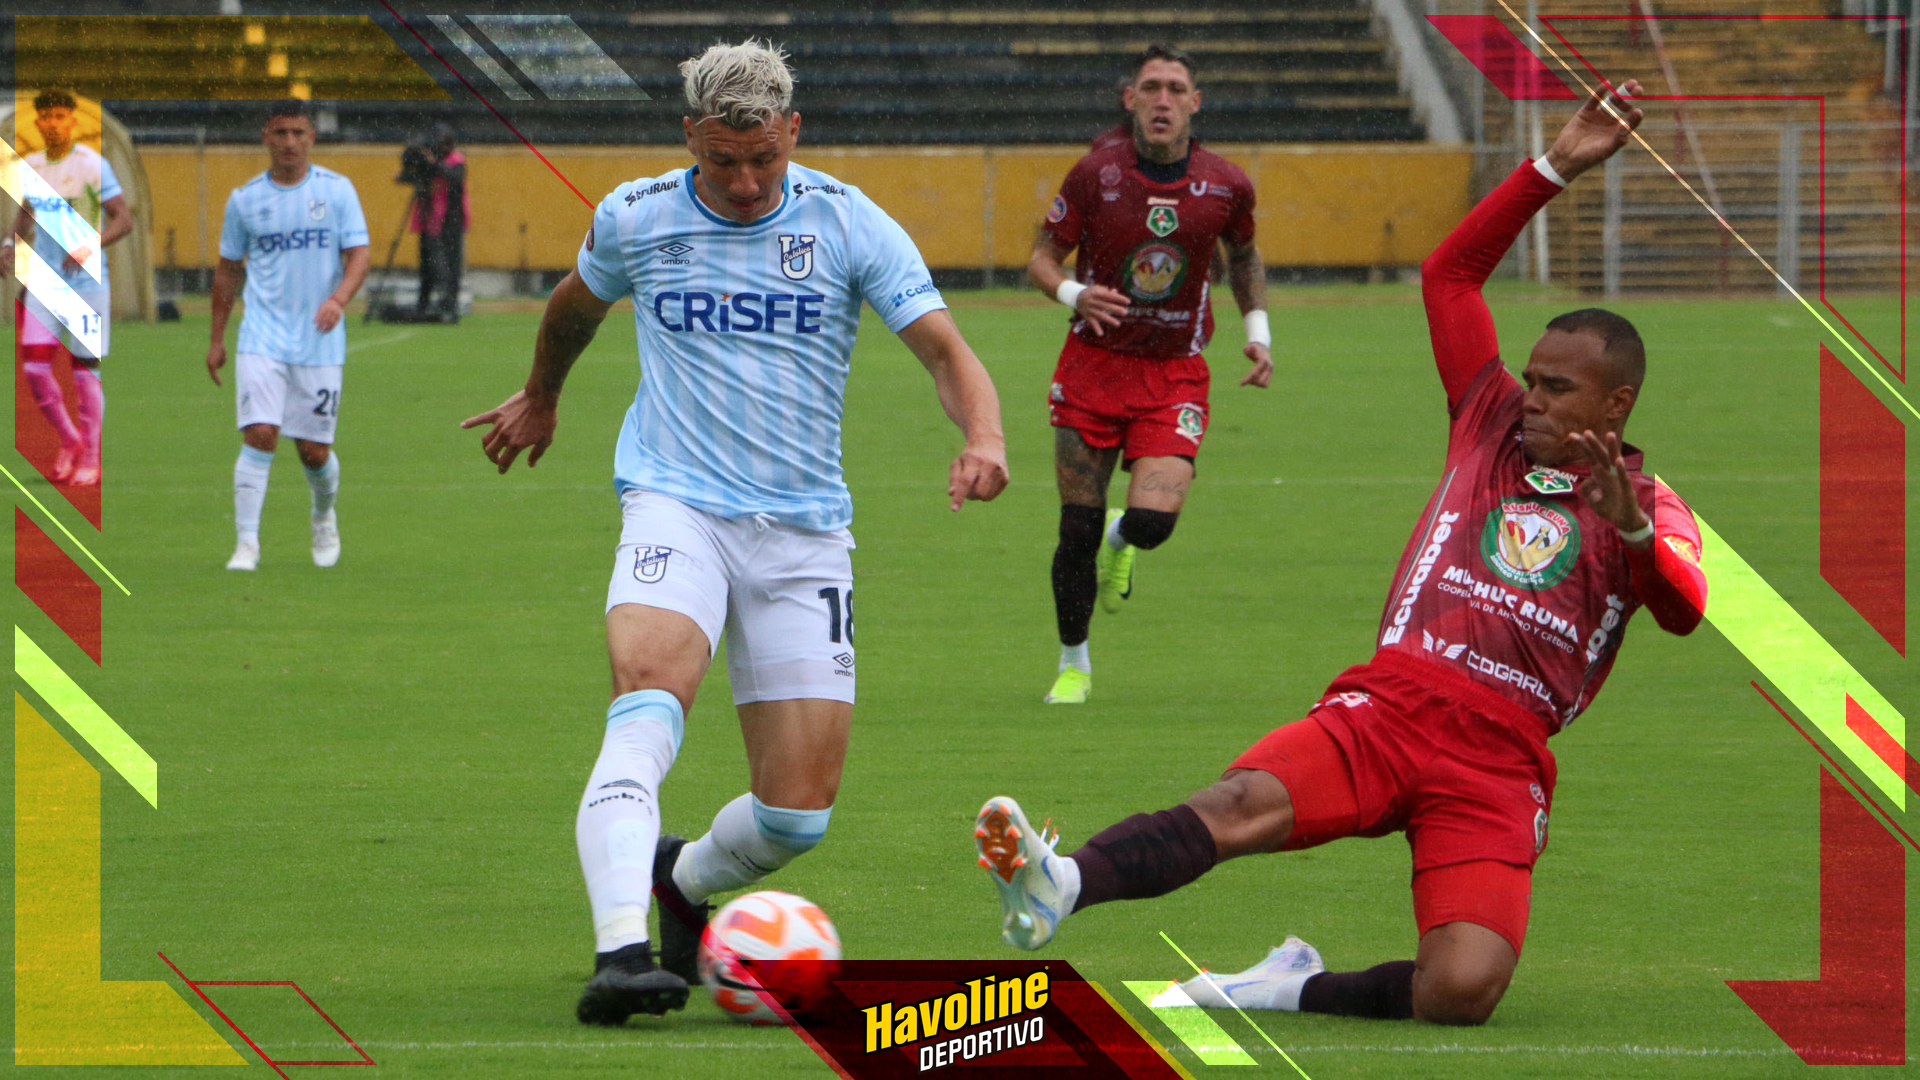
(1258, 333)
(1552, 174)
(1069, 292)
(1644, 532)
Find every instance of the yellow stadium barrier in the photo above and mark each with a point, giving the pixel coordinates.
(1333, 205)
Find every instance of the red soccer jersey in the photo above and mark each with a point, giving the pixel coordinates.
(1512, 581)
(1151, 241)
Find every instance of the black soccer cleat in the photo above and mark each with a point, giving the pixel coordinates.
(681, 921)
(625, 982)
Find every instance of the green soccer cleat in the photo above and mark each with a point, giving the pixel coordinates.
(1071, 688)
(1115, 569)
(1025, 872)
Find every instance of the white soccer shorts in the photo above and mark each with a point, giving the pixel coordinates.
(302, 400)
(782, 595)
(42, 327)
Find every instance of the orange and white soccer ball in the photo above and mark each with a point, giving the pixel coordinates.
(767, 956)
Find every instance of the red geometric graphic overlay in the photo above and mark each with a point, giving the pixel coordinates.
(363, 1059)
(52, 580)
(1855, 1012)
(1863, 501)
(966, 1019)
(1507, 63)
(35, 438)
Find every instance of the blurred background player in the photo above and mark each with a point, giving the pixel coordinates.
(296, 234)
(441, 215)
(70, 233)
(1508, 610)
(746, 274)
(1131, 385)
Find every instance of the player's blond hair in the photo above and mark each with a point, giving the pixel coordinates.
(741, 85)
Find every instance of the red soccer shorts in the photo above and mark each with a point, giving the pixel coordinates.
(1387, 751)
(1147, 406)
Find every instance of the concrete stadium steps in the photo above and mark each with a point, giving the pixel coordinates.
(1668, 241)
(222, 58)
(1306, 70)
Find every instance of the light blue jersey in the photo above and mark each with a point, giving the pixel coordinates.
(745, 333)
(292, 238)
(67, 212)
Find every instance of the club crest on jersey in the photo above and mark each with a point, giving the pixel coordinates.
(1530, 544)
(1110, 176)
(1058, 211)
(1191, 422)
(317, 209)
(650, 563)
(796, 256)
(1156, 271)
(1550, 481)
(1162, 220)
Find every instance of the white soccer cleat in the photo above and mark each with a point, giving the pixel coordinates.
(326, 540)
(1273, 983)
(246, 556)
(1025, 871)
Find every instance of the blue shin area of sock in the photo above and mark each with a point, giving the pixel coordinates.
(657, 705)
(256, 455)
(795, 830)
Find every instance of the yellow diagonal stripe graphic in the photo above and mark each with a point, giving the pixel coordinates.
(87, 719)
(1192, 1025)
(1794, 657)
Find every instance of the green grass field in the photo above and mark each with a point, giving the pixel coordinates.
(368, 775)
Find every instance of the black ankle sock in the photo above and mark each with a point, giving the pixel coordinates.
(1384, 992)
(1145, 855)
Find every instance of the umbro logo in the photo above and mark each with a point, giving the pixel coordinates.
(634, 784)
(675, 251)
(845, 660)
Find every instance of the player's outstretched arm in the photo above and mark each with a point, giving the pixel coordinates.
(528, 418)
(967, 394)
(1098, 304)
(227, 277)
(1247, 274)
(1452, 277)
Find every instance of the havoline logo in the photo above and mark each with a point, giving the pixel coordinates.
(1529, 544)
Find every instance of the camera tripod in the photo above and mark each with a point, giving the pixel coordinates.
(414, 201)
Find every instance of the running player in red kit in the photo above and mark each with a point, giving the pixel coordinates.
(1145, 213)
(1542, 539)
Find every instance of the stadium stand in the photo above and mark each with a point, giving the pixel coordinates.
(1756, 153)
(1289, 71)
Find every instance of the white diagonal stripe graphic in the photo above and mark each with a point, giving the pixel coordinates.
(46, 285)
(19, 181)
(481, 58)
(559, 57)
